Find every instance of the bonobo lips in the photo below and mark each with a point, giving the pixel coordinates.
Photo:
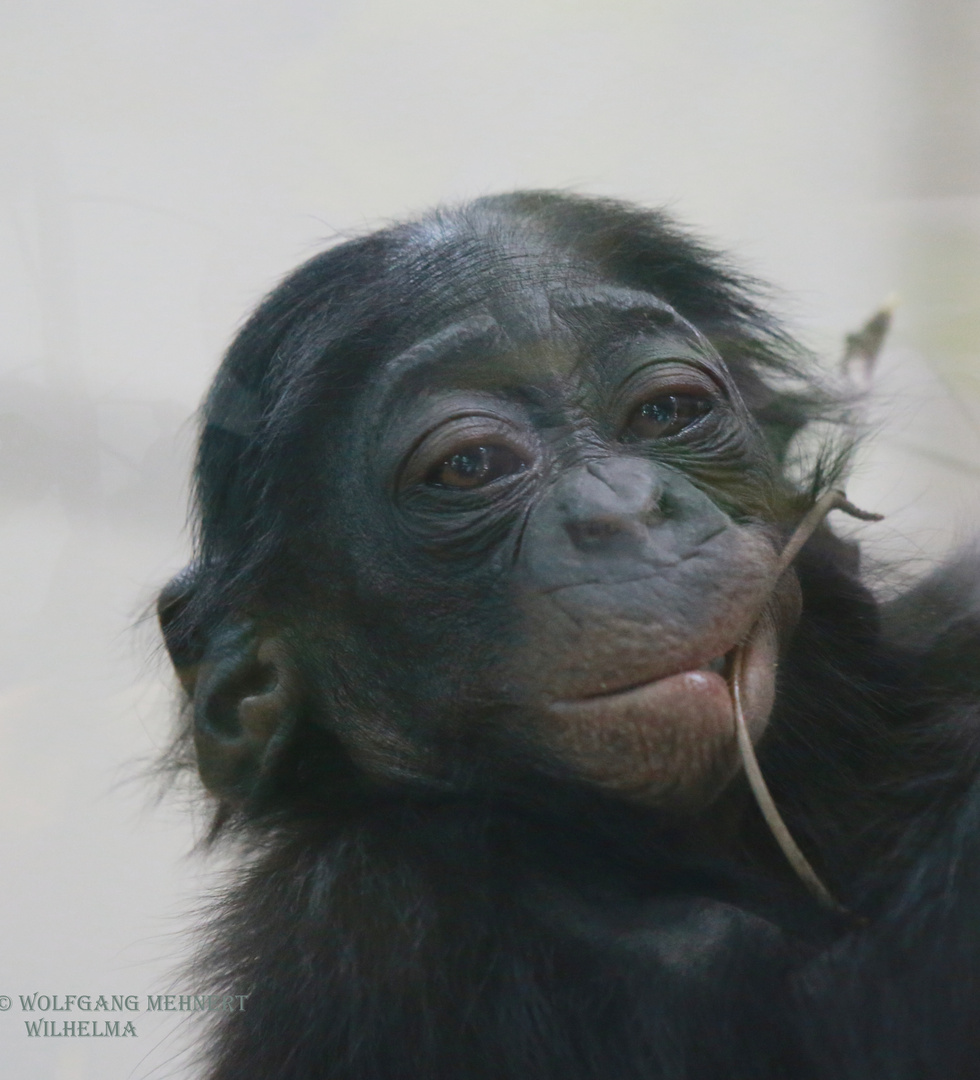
(718, 666)
(688, 700)
(671, 740)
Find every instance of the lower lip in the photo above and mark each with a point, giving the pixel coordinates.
(669, 742)
(696, 699)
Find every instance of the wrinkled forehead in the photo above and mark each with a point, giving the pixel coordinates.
(547, 330)
(533, 288)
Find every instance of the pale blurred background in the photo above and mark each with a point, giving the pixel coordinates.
(163, 164)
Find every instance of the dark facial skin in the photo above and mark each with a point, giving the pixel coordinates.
(561, 534)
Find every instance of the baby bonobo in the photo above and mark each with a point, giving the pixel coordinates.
(492, 513)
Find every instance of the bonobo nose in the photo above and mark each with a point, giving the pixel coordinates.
(609, 505)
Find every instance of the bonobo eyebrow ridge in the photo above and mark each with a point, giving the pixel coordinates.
(625, 304)
(480, 333)
(614, 301)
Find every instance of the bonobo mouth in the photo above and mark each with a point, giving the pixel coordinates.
(720, 665)
(671, 740)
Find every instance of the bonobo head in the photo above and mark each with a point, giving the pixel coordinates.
(484, 497)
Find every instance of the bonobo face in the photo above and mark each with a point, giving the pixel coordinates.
(563, 528)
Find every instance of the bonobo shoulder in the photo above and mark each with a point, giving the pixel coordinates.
(939, 621)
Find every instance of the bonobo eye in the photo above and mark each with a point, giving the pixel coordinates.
(475, 465)
(667, 414)
(467, 452)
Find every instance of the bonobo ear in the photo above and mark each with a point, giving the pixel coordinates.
(241, 685)
(243, 710)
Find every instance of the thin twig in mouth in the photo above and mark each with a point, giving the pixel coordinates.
(781, 834)
(830, 500)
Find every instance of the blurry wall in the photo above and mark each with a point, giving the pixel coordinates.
(162, 164)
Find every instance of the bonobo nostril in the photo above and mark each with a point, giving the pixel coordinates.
(607, 531)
